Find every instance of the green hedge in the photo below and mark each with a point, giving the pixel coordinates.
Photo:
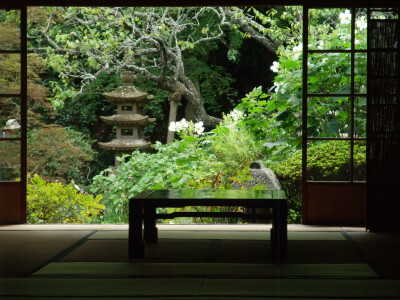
(327, 161)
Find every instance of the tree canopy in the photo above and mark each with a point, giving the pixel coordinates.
(82, 43)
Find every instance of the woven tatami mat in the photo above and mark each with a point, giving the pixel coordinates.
(380, 250)
(219, 270)
(226, 235)
(183, 287)
(240, 251)
(21, 252)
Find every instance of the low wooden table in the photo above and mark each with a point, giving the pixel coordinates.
(142, 209)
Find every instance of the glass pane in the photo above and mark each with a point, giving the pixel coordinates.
(10, 153)
(9, 30)
(360, 117)
(10, 73)
(328, 117)
(328, 161)
(360, 73)
(361, 29)
(10, 117)
(360, 160)
(329, 73)
(329, 29)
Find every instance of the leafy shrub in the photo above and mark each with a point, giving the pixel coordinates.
(82, 113)
(52, 202)
(233, 144)
(262, 119)
(59, 153)
(171, 167)
(258, 113)
(235, 148)
(10, 160)
(328, 161)
(197, 161)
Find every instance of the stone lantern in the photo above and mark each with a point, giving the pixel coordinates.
(129, 119)
(12, 127)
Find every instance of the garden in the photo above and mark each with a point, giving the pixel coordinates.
(237, 72)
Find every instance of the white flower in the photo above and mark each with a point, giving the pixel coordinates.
(275, 66)
(283, 88)
(184, 123)
(236, 114)
(356, 42)
(231, 126)
(298, 48)
(345, 18)
(178, 127)
(198, 128)
(361, 23)
(321, 45)
(172, 126)
(277, 85)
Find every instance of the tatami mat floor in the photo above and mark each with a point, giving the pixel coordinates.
(197, 261)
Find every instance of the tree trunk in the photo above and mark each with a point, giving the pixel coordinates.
(199, 111)
(188, 91)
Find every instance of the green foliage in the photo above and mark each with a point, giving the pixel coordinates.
(201, 43)
(271, 124)
(220, 181)
(9, 28)
(327, 73)
(214, 82)
(330, 161)
(212, 160)
(56, 152)
(82, 113)
(10, 154)
(262, 120)
(10, 68)
(235, 44)
(259, 115)
(234, 145)
(169, 168)
(50, 202)
(156, 107)
(326, 161)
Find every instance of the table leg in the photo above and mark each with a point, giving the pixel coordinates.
(283, 235)
(136, 244)
(150, 229)
(279, 232)
(274, 236)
